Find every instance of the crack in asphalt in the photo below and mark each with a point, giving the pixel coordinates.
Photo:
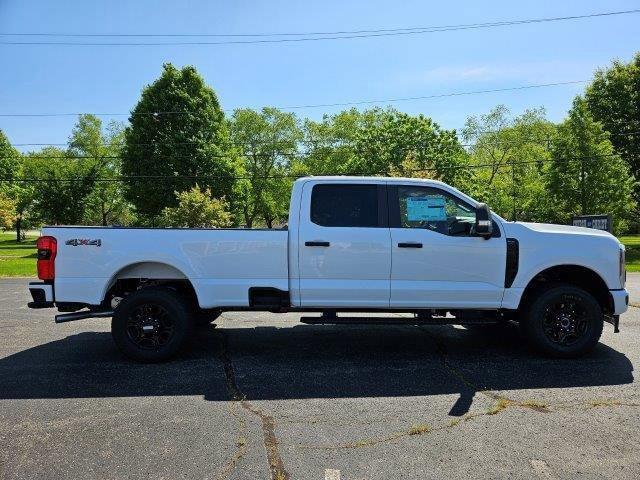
(501, 403)
(241, 443)
(417, 431)
(274, 459)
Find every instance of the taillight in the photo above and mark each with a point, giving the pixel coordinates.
(47, 249)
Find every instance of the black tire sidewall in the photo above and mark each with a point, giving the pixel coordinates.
(533, 324)
(170, 300)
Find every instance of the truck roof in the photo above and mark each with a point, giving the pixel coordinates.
(356, 179)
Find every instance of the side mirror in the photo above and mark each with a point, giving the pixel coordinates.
(484, 224)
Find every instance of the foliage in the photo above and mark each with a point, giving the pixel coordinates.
(106, 204)
(509, 156)
(268, 140)
(197, 209)
(58, 186)
(9, 158)
(7, 211)
(397, 139)
(585, 175)
(614, 100)
(330, 143)
(177, 130)
(382, 142)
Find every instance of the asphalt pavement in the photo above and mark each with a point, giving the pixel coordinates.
(262, 396)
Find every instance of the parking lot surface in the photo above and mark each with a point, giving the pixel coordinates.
(263, 396)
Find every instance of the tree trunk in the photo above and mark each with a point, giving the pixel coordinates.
(583, 193)
(19, 227)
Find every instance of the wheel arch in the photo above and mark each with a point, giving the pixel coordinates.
(137, 274)
(577, 275)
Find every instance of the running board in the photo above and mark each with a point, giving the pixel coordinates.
(393, 321)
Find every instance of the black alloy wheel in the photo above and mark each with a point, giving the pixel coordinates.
(152, 324)
(562, 320)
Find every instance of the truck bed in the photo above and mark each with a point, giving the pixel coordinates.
(222, 264)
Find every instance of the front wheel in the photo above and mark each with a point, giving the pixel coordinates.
(152, 324)
(563, 321)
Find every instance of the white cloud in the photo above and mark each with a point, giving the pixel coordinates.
(532, 72)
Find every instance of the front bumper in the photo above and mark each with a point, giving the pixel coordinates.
(42, 295)
(620, 301)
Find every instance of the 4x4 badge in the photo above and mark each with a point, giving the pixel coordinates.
(83, 241)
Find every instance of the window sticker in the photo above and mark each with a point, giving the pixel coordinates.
(426, 209)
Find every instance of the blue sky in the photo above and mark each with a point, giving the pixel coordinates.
(52, 79)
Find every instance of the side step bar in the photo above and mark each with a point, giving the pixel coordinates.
(70, 317)
(393, 321)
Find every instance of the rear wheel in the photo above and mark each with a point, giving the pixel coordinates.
(563, 321)
(152, 324)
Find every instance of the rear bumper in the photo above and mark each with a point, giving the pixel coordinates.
(620, 299)
(41, 294)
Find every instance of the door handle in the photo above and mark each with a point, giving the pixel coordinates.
(316, 244)
(409, 245)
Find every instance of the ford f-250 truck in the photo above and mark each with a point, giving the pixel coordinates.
(352, 244)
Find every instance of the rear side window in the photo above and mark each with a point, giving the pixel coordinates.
(343, 205)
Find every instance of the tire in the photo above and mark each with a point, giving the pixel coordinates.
(152, 324)
(563, 321)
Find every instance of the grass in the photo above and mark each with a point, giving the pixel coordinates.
(632, 244)
(419, 429)
(499, 406)
(17, 259)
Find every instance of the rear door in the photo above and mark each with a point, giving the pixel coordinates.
(437, 261)
(344, 245)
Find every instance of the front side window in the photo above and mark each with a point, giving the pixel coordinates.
(344, 205)
(433, 209)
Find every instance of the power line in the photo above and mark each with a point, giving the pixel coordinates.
(442, 95)
(533, 139)
(317, 105)
(124, 178)
(303, 141)
(300, 37)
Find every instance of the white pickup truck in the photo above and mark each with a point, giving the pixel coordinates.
(352, 244)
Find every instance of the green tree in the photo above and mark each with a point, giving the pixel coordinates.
(382, 142)
(197, 209)
(268, 139)
(22, 193)
(329, 145)
(7, 211)
(10, 188)
(58, 186)
(102, 148)
(9, 158)
(177, 132)
(397, 140)
(509, 156)
(614, 100)
(585, 175)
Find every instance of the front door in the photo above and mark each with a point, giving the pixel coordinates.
(437, 260)
(344, 245)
